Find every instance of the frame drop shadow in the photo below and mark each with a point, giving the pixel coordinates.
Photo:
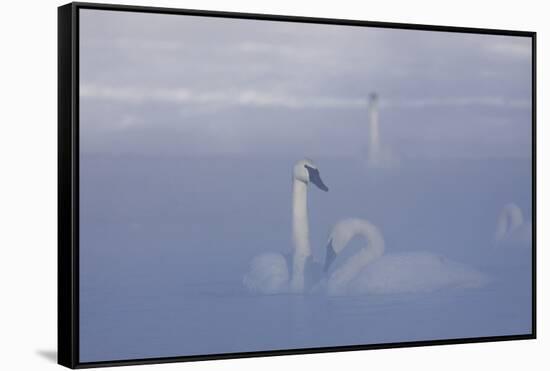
(50, 355)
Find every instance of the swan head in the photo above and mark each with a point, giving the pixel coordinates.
(305, 171)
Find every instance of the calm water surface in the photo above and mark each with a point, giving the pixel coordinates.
(165, 243)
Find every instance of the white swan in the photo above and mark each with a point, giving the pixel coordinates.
(379, 154)
(369, 271)
(512, 230)
(269, 273)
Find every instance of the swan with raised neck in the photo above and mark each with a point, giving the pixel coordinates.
(304, 173)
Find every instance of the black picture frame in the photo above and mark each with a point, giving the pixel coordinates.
(68, 182)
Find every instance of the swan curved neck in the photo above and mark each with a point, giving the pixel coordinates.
(300, 234)
(374, 248)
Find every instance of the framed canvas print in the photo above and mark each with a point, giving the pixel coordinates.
(236, 185)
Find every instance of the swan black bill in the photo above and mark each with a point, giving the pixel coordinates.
(331, 255)
(315, 178)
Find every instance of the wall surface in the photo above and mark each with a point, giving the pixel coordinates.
(28, 189)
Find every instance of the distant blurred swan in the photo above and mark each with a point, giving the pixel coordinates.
(369, 271)
(269, 272)
(512, 230)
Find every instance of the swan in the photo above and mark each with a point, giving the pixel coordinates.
(269, 272)
(379, 154)
(512, 230)
(369, 271)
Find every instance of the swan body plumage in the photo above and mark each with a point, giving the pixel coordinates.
(268, 274)
(415, 272)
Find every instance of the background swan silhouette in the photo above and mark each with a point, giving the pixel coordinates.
(269, 272)
(512, 230)
(369, 271)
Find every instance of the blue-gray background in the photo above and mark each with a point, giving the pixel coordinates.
(189, 130)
